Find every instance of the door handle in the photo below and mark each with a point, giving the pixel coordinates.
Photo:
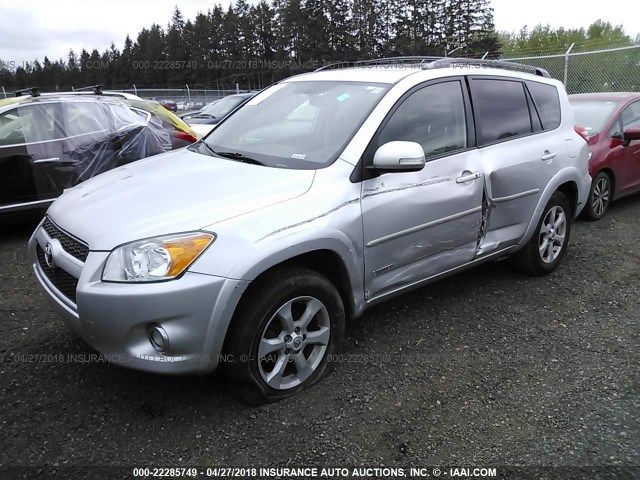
(468, 177)
(547, 156)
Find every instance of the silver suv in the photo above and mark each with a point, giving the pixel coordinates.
(323, 195)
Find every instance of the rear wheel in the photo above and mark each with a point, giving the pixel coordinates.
(599, 197)
(544, 251)
(283, 334)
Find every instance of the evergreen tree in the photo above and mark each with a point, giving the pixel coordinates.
(252, 36)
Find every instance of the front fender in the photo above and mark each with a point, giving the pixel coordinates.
(285, 248)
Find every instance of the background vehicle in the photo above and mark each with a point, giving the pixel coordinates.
(203, 120)
(169, 105)
(181, 133)
(51, 142)
(320, 197)
(612, 121)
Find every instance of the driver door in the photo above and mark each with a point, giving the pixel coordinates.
(419, 224)
(629, 160)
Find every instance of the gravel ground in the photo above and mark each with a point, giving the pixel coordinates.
(487, 368)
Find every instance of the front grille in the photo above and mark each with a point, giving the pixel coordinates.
(60, 279)
(69, 244)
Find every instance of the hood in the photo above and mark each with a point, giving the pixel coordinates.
(169, 193)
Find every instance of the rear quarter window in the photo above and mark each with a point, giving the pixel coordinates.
(547, 104)
(501, 109)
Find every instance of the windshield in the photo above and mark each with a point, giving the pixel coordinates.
(223, 106)
(592, 114)
(303, 125)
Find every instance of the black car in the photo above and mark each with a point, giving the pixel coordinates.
(49, 143)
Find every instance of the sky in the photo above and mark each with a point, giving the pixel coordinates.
(32, 29)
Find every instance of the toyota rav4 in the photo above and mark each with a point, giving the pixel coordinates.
(323, 195)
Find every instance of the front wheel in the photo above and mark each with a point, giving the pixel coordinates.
(599, 197)
(544, 251)
(283, 335)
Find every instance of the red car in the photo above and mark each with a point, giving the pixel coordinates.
(611, 123)
(169, 105)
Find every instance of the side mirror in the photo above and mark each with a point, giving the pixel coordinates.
(399, 157)
(631, 134)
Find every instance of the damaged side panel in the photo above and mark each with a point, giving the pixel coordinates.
(418, 224)
(515, 177)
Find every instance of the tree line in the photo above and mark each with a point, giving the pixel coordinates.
(259, 43)
(256, 44)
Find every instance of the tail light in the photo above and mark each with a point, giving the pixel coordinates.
(582, 132)
(186, 136)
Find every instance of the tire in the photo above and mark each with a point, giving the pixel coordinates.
(538, 258)
(259, 326)
(600, 197)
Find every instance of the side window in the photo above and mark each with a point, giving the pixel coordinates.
(35, 122)
(501, 109)
(11, 128)
(84, 118)
(547, 103)
(433, 116)
(631, 116)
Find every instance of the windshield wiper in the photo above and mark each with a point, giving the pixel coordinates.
(237, 156)
(202, 143)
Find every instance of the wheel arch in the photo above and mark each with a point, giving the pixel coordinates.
(327, 263)
(570, 191)
(327, 251)
(567, 182)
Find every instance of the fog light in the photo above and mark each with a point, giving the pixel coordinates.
(159, 339)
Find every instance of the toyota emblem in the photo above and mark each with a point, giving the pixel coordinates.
(48, 255)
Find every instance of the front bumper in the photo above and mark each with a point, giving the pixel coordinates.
(116, 318)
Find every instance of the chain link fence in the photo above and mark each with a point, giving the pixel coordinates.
(612, 70)
(186, 97)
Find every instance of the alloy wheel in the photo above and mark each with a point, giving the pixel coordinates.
(600, 197)
(294, 343)
(552, 234)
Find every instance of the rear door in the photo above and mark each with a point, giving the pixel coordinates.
(519, 153)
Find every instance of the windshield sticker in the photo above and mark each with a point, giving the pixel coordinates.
(343, 97)
(377, 90)
(299, 156)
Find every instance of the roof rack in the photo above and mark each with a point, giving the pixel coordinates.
(419, 60)
(427, 62)
(480, 63)
(97, 89)
(33, 91)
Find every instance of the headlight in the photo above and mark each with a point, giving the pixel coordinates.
(155, 259)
